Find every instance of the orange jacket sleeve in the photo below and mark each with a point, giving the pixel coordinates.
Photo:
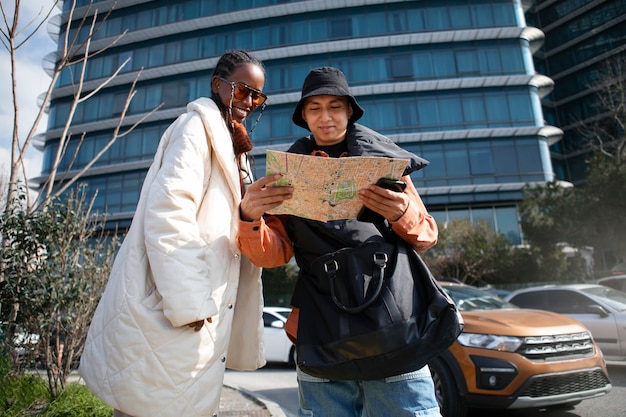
(416, 226)
(265, 242)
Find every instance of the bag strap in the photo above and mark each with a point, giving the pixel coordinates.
(380, 260)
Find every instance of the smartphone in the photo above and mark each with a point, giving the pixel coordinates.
(367, 215)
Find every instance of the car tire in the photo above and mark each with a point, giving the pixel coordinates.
(450, 403)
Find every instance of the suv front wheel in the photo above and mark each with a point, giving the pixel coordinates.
(446, 391)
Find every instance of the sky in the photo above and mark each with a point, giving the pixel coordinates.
(31, 80)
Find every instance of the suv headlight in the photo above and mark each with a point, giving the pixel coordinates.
(490, 341)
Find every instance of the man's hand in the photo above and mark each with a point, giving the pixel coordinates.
(390, 204)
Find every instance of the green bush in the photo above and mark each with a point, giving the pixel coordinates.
(22, 393)
(28, 395)
(77, 401)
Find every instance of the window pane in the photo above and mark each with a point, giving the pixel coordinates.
(437, 166)
(172, 53)
(340, 28)
(401, 66)
(521, 109)
(467, 62)
(474, 111)
(459, 17)
(508, 225)
(157, 55)
(122, 57)
(444, 63)
(480, 160)
(458, 214)
(450, 113)
(407, 114)
(427, 111)
(423, 65)
(484, 215)
(437, 18)
(529, 157)
(360, 70)
(504, 157)
(498, 109)
(415, 19)
(456, 160)
(481, 15)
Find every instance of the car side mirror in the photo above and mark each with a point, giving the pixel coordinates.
(277, 324)
(596, 309)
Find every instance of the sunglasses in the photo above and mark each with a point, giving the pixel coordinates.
(242, 90)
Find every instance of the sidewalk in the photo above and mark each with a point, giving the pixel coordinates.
(237, 402)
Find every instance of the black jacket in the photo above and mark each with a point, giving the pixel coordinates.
(312, 238)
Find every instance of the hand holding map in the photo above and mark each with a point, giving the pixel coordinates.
(326, 188)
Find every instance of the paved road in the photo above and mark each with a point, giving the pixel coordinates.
(278, 384)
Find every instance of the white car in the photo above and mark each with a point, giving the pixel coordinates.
(617, 282)
(278, 347)
(600, 309)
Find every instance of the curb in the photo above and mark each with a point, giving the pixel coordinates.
(273, 408)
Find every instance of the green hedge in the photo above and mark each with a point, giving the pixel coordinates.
(28, 395)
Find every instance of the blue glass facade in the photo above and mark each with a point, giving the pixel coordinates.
(453, 81)
(581, 35)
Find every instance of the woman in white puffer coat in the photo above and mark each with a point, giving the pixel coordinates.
(182, 303)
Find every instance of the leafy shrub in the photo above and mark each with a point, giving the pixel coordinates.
(28, 395)
(21, 393)
(77, 401)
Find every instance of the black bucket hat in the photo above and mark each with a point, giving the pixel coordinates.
(325, 81)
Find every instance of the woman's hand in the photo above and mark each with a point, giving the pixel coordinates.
(389, 204)
(197, 325)
(261, 197)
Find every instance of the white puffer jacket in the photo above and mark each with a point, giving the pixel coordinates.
(179, 263)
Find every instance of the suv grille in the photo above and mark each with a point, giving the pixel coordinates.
(545, 386)
(557, 347)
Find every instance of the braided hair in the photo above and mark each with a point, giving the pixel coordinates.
(231, 59)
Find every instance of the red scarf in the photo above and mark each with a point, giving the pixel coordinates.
(241, 140)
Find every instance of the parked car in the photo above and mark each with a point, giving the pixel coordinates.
(617, 282)
(511, 358)
(498, 292)
(24, 345)
(278, 347)
(601, 309)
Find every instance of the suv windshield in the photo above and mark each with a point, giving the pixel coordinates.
(468, 298)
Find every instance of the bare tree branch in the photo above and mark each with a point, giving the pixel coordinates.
(115, 135)
(74, 54)
(605, 132)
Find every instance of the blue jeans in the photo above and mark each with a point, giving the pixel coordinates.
(411, 394)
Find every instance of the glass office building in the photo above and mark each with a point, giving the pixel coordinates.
(581, 35)
(452, 81)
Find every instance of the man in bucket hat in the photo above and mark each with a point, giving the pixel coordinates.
(330, 112)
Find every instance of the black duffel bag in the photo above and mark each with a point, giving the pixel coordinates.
(377, 312)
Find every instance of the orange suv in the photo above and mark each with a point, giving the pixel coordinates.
(508, 357)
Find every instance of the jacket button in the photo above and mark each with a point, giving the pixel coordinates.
(256, 228)
(236, 256)
(230, 306)
(223, 359)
